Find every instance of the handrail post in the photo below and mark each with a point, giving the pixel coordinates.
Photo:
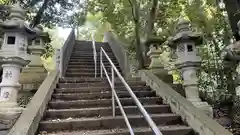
(101, 70)
(113, 99)
(145, 114)
(95, 62)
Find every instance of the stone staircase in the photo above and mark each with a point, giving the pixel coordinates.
(81, 104)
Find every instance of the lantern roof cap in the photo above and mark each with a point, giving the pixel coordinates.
(15, 21)
(184, 32)
(17, 11)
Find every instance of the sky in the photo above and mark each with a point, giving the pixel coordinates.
(63, 32)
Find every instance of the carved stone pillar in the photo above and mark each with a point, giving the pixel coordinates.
(10, 85)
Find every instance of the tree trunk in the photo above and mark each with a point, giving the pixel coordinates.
(138, 47)
(151, 19)
(137, 34)
(135, 12)
(233, 10)
(149, 31)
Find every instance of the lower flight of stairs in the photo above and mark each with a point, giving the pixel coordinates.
(82, 105)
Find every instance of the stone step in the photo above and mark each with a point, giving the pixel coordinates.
(90, 57)
(102, 95)
(84, 74)
(90, 51)
(90, 79)
(166, 130)
(98, 84)
(103, 88)
(90, 60)
(90, 63)
(102, 111)
(90, 47)
(90, 66)
(99, 89)
(61, 104)
(81, 80)
(89, 70)
(82, 50)
(76, 54)
(89, 44)
(90, 54)
(107, 122)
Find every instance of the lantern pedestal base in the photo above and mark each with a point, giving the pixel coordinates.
(32, 77)
(9, 113)
(237, 89)
(204, 106)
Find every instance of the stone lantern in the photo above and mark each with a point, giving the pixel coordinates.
(13, 56)
(185, 42)
(33, 75)
(156, 66)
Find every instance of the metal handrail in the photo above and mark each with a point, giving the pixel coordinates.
(94, 54)
(151, 123)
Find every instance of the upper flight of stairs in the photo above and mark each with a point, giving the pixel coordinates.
(81, 104)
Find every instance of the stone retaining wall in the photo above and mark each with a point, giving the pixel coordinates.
(27, 123)
(196, 118)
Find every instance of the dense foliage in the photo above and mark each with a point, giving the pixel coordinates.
(205, 15)
(52, 12)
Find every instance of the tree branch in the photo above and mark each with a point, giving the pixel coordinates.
(152, 15)
(38, 17)
(133, 9)
(232, 7)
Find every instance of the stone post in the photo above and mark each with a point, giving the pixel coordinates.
(13, 56)
(10, 85)
(188, 62)
(156, 66)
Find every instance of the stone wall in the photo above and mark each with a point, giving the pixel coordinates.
(27, 123)
(196, 118)
(120, 53)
